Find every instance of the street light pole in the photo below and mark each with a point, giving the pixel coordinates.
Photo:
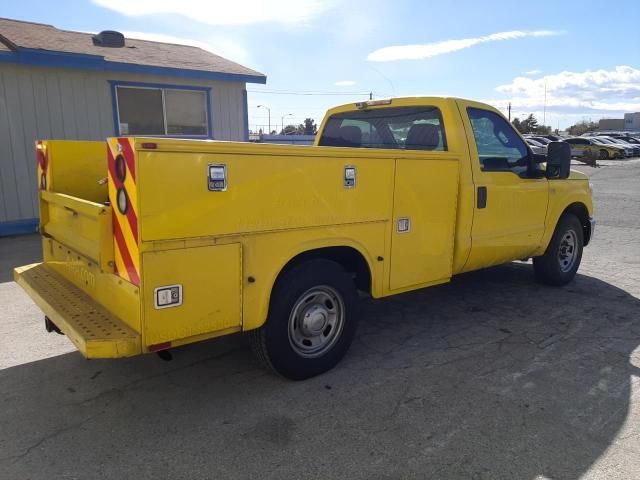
(282, 120)
(268, 110)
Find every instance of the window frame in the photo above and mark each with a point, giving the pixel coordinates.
(162, 87)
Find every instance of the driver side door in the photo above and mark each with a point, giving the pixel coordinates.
(511, 203)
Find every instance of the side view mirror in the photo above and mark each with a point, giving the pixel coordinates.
(558, 160)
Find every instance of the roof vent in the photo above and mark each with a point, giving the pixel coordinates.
(109, 38)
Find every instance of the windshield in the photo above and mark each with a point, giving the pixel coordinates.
(410, 128)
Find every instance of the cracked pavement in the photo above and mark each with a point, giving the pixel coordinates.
(489, 377)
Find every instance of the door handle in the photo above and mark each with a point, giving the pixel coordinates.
(482, 197)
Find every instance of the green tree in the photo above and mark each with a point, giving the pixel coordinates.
(582, 127)
(293, 130)
(530, 124)
(310, 127)
(517, 124)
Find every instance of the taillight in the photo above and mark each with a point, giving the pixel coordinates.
(121, 168)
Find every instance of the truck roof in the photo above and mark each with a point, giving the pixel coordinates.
(393, 101)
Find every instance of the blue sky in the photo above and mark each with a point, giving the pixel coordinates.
(587, 53)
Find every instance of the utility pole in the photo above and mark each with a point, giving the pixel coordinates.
(509, 109)
(268, 110)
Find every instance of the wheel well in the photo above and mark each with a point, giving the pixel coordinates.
(348, 257)
(580, 211)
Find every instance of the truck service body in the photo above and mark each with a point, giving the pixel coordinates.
(152, 243)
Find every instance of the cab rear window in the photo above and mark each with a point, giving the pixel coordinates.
(406, 128)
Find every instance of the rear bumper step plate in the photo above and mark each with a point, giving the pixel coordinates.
(95, 331)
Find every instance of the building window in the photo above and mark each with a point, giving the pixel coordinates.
(146, 109)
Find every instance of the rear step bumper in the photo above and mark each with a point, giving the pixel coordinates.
(95, 331)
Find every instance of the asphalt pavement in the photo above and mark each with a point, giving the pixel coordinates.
(489, 377)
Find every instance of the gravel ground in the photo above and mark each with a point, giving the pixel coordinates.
(489, 377)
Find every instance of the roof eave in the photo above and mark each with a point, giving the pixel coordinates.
(48, 58)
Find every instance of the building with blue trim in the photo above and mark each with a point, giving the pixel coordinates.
(59, 84)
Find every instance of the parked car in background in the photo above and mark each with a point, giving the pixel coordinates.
(540, 139)
(627, 149)
(536, 146)
(627, 138)
(635, 148)
(584, 147)
(553, 138)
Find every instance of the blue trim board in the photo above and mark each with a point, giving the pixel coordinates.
(114, 104)
(45, 58)
(209, 122)
(18, 227)
(245, 112)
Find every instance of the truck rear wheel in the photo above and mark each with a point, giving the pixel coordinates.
(312, 320)
(561, 260)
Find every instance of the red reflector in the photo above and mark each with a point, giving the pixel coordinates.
(150, 146)
(159, 346)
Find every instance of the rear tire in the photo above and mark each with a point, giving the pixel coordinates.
(560, 262)
(604, 155)
(313, 316)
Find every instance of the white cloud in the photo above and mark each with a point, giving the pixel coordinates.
(345, 83)
(220, 46)
(532, 72)
(428, 50)
(224, 12)
(616, 90)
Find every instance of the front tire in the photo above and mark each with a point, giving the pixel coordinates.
(560, 262)
(312, 320)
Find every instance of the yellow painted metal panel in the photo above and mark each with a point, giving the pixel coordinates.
(425, 197)
(82, 225)
(107, 289)
(563, 193)
(265, 255)
(95, 331)
(76, 168)
(265, 193)
(211, 285)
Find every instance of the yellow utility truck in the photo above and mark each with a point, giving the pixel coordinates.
(152, 243)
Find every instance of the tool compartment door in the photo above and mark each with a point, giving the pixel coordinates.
(210, 278)
(424, 218)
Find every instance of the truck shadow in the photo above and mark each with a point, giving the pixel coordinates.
(492, 376)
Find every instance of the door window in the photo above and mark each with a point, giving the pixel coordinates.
(499, 147)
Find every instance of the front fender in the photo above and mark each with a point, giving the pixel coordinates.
(563, 194)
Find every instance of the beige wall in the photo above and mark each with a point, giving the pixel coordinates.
(42, 103)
